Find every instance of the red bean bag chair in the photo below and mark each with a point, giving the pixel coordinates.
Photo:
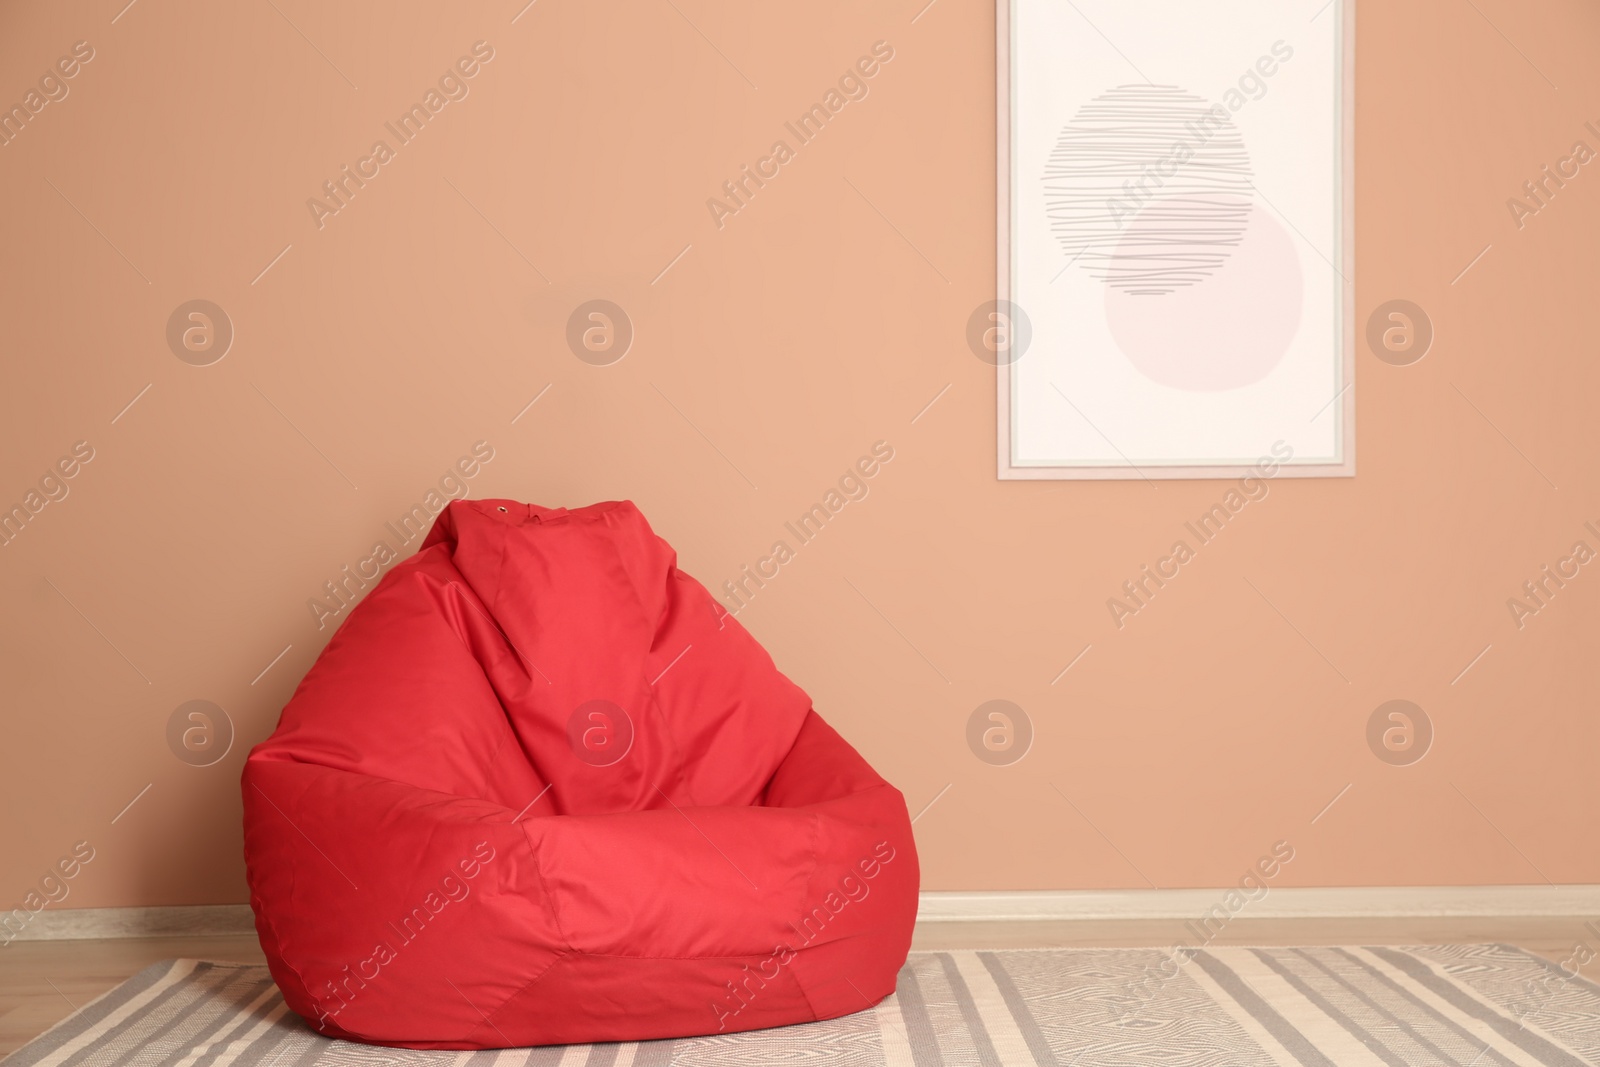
(541, 789)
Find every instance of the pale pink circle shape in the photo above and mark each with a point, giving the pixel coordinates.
(1222, 332)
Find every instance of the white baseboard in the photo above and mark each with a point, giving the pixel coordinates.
(1067, 905)
(1360, 902)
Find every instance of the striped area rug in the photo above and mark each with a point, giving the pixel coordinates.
(1456, 1005)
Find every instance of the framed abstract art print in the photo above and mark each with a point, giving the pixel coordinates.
(1175, 254)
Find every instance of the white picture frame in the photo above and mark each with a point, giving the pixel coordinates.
(1136, 346)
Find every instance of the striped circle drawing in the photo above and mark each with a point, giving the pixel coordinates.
(1149, 188)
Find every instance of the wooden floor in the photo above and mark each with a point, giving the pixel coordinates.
(41, 982)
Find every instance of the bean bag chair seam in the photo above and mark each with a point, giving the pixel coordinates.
(499, 584)
(490, 763)
(633, 585)
(677, 747)
(577, 954)
(462, 589)
(514, 994)
(371, 777)
(544, 888)
(265, 919)
(555, 918)
(816, 835)
(644, 674)
(488, 1016)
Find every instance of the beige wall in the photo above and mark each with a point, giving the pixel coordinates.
(812, 324)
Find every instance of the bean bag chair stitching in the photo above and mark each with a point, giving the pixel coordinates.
(639, 599)
(759, 954)
(510, 733)
(555, 909)
(299, 978)
(497, 571)
(545, 892)
(494, 760)
(816, 835)
(467, 597)
(633, 585)
(370, 777)
(645, 959)
(535, 980)
(302, 833)
(680, 780)
(462, 592)
(654, 626)
(435, 538)
(264, 919)
(487, 1016)
(696, 826)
